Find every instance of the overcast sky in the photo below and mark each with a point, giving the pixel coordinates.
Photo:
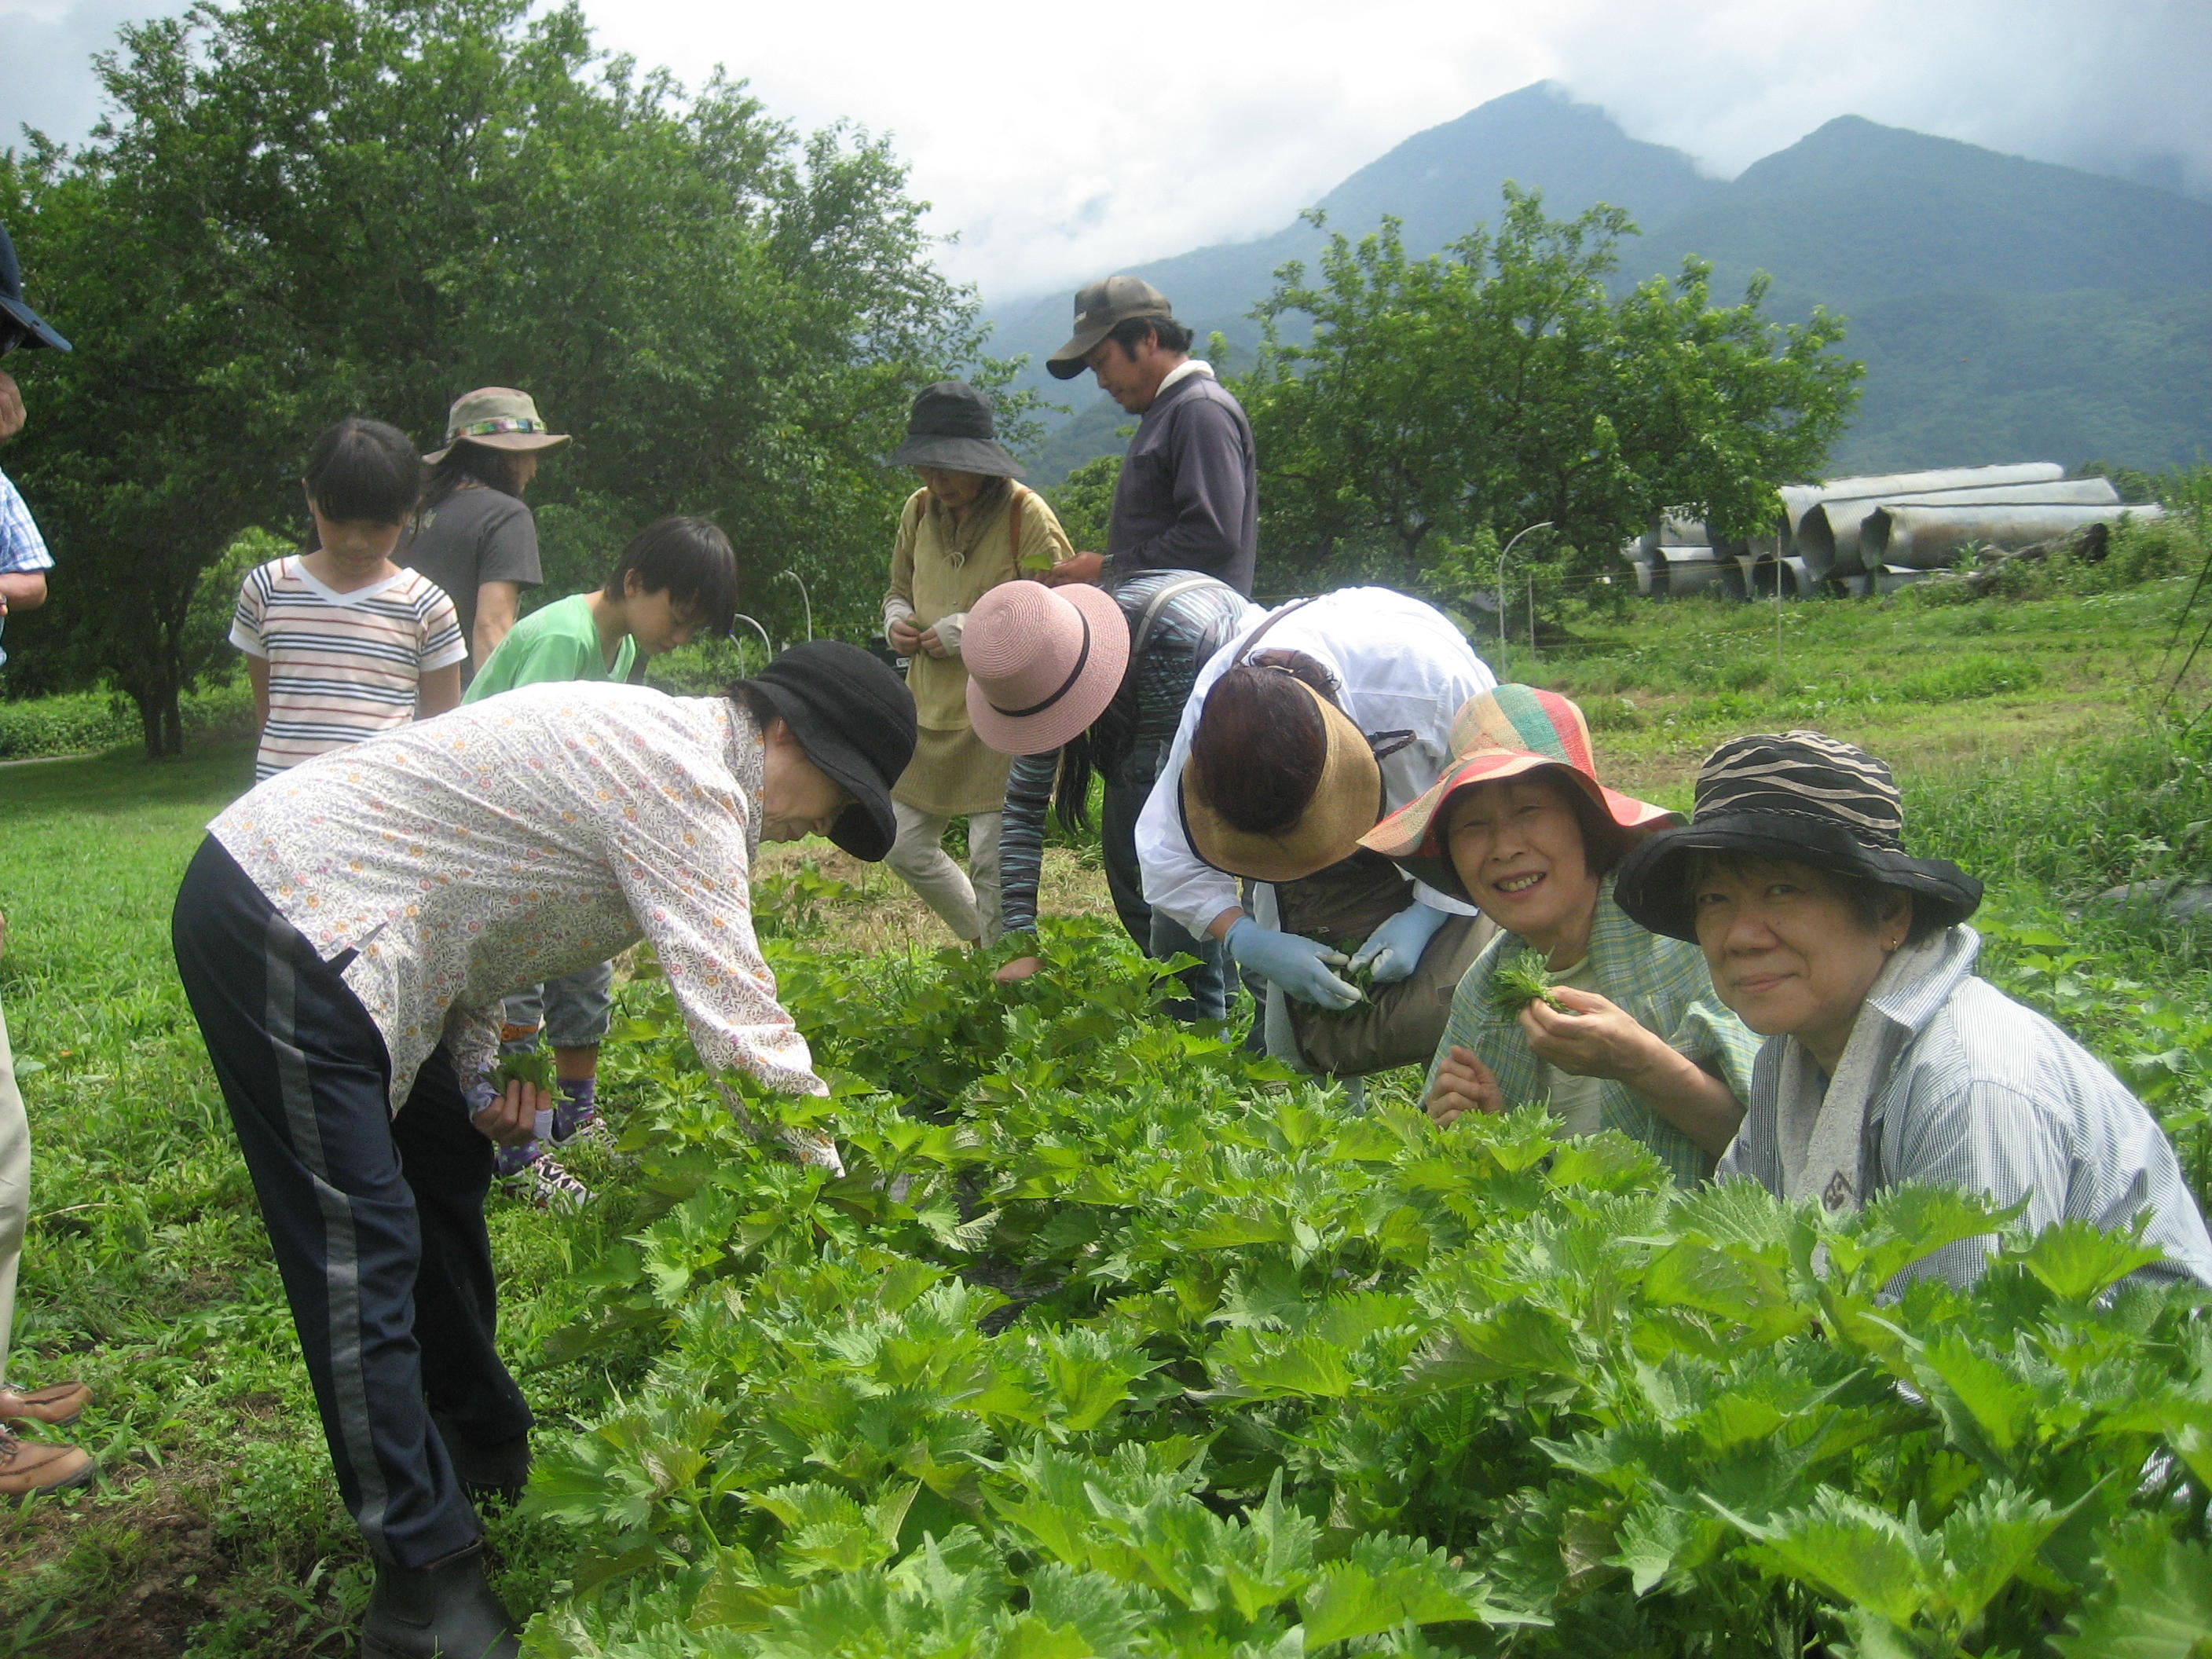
(1059, 144)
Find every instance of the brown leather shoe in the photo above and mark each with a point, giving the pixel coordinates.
(30, 1466)
(56, 1405)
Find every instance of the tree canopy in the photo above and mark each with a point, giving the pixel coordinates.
(1499, 383)
(298, 209)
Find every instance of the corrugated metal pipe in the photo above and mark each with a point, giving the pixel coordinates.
(1798, 500)
(1933, 536)
(1828, 535)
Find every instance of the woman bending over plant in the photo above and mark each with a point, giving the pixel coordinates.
(1573, 1002)
(1887, 1059)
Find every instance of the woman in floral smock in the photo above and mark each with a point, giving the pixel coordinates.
(346, 936)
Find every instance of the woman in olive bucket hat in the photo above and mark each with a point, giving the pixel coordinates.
(1301, 732)
(969, 528)
(1519, 824)
(1886, 1059)
(347, 935)
(472, 534)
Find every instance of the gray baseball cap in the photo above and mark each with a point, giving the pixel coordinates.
(1097, 309)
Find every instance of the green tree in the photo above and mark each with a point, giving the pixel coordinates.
(1499, 383)
(1085, 503)
(302, 208)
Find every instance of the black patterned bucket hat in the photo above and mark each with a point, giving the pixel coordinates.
(1799, 797)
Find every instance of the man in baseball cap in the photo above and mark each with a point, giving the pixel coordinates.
(1188, 496)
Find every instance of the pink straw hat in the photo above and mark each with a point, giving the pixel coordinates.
(1042, 662)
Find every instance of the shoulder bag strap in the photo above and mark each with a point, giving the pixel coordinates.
(1251, 642)
(1156, 604)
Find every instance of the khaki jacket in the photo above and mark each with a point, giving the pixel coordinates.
(939, 572)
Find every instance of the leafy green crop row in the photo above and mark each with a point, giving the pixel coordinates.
(1117, 1340)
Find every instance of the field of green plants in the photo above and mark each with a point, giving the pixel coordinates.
(1115, 1340)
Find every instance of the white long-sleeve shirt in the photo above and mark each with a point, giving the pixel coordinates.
(520, 838)
(1399, 666)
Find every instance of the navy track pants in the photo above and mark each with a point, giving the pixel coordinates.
(377, 1221)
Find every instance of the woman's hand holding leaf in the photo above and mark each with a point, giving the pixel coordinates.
(1463, 1084)
(1592, 1038)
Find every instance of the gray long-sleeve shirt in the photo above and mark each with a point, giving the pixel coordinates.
(1188, 497)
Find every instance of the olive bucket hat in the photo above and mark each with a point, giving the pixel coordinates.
(498, 417)
(1799, 798)
(951, 427)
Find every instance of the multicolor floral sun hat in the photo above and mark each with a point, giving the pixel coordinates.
(1507, 732)
(499, 417)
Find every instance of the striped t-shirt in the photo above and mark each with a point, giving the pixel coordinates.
(341, 666)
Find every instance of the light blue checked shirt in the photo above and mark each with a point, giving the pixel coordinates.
(21, 547)
(1987, 1096)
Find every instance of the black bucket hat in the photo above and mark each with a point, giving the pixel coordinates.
(20, 326)
(855, 718)
(1799, 797)
(950, 426)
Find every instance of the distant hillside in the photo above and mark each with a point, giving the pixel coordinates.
(1442, 183)
(2003, 307)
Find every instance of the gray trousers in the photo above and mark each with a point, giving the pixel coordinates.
(573, 1008)
(969, 908)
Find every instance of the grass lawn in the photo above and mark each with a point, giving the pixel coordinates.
(2018, 728)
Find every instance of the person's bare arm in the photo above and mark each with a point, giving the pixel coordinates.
(438, 690)
(22, 590)
(1597, 1038)
(256, 672)
(11, 407)
(495, 607)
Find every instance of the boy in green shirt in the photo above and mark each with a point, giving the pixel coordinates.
(676, 577)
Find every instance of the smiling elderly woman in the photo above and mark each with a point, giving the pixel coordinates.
(1887, 1059)
(347, 934)
(1520, 825)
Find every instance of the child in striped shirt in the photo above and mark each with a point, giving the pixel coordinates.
(340, 642)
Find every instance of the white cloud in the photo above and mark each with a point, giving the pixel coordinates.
(1059, 144)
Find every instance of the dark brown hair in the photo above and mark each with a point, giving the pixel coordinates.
(1604, 843)
(689, 560)
(365, 470)
(1129, 333)
(1868, 900)
(1260, 748)
(468, 463)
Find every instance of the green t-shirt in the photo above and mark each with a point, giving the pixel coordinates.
(560, 642)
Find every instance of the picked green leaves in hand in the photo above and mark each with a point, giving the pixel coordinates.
(531, 1066)
(1522, 979)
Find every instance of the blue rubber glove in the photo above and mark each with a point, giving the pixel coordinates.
(1393, 950)
(1296, 965)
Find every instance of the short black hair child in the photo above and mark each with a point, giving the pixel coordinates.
(364, 471)
(690, 559)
